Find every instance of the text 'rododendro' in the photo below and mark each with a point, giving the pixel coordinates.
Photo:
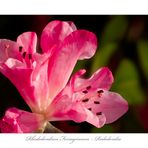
(43, 80)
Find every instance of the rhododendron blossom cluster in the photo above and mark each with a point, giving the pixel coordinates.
(43, 80)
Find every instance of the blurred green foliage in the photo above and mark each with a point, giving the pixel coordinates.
(113, 32)
(115, 29)
(104, 129)
(143, 55)
(103, 55)
(127, 83)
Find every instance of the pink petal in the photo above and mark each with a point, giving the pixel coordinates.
(13, 50)
(21, 78)
(27, 79)
(74, 78)
(63, 108)
(41, 86)
(9, 49)
(102, 78)
(102, 102)
(113, 106)
(97, 121)
(14, 63)
(72, 25)
(54, 33)
(19, 121)
(91, 98)
(79, 44)
(66, 107)
(28, 41)
(31, 84)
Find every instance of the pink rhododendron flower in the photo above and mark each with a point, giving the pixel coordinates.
(42, 80)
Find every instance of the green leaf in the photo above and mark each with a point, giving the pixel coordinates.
(143, 53)
(113, 32)
(115, 29)
(103, 56)
(127, 83)
(81, 64)
(104, 129)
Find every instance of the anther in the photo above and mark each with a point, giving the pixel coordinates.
(30, 56)
(85, 100)
(99, 113)
(88, 87)
(96, 102)
(89, 109)
(100, 91)
(85, 91)
(20, 48)
(24, 54)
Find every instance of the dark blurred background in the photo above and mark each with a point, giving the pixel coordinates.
(122, 46)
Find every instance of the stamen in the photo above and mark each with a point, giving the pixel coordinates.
(20, 48)
(96, 102)
(24, 54)
(85, 100)
(88, 87)
(100, 91)
(85, 91)
(30, 56)
(99, 113)
(89, 109)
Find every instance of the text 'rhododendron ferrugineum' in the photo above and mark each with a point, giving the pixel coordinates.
(42, 80)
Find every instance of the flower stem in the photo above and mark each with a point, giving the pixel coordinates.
(51, 129)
